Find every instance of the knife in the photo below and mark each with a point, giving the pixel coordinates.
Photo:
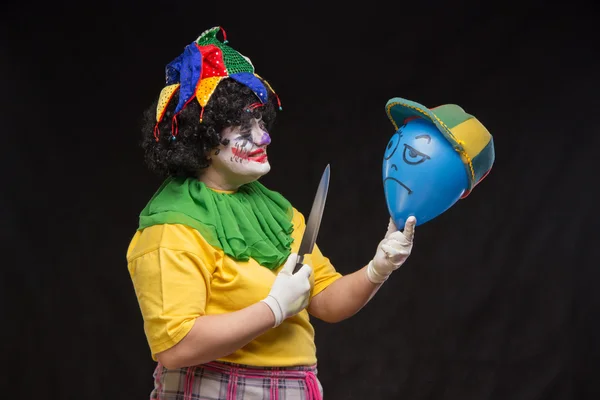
(314, 220)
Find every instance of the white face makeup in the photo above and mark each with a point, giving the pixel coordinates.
(241, 159)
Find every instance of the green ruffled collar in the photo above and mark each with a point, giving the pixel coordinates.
(253, 222)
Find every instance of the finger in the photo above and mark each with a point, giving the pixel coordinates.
(409, 228)
(305, 271)
(389, 250)
(394, 248)
(391, 228)
(397, 238)
(397, 256)
(290, 263)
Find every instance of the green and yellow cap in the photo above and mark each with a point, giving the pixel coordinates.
(465, 133)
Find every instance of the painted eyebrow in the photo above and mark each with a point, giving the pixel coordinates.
(244, 137)
(424, 137)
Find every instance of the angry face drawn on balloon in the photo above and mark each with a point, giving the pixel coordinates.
(422, 174)
(426, 169)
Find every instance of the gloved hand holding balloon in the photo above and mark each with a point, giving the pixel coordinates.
(435, 157)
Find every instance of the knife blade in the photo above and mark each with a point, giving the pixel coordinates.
(314, 220)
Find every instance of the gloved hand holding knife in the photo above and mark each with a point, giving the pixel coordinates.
(290, 293)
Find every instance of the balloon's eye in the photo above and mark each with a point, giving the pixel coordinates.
(392, 146)
(413, 156)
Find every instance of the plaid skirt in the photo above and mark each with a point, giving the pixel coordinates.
(226, 381)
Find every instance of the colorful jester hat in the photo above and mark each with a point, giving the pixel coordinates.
(199, 69)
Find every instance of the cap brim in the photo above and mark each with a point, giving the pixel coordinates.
(399, 110)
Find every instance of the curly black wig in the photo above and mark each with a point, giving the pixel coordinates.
(188, 154)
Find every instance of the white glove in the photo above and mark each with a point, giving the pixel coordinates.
(290, 293)
(392, 251)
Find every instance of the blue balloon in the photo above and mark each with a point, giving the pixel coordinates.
(423, 175)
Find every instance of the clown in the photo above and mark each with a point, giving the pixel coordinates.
(212, 258)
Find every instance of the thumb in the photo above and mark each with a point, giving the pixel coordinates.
(305, 271)
(290, 263)
(409, 228)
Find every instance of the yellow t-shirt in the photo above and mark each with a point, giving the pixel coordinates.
(178, 277)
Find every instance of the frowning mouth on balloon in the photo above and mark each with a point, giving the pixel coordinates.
(409, 190)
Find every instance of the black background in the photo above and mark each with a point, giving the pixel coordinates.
(499, 299)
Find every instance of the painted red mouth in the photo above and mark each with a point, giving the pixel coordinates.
(258, 155)
(261, 159)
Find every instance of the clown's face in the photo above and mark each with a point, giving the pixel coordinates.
(240, 159)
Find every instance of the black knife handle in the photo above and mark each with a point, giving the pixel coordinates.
(299, 264)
